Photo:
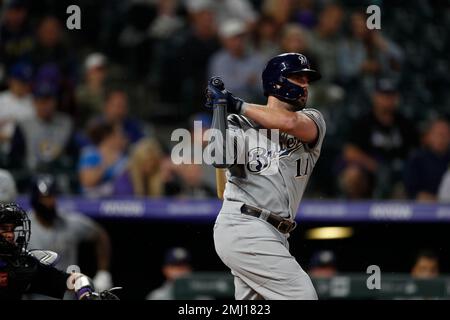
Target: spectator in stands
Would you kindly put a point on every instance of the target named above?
(326, 39)
(323, 264)
(294, 39)
(167, 21)
(15, 103)
(426, 265)
(191, 180)
(135, 40)
(50, 49)
(304, 14)
(104, 161)
(8, 188)
(444, 187)
(426, 166)
(367, 53)
(44, 143)
(356, 182)
(177, 263)
(239, 69)
(188, 182)
(186, 55)
(143, 174)
(266, 38)
(279, 10)
(15, 33)
(377, 145)
(116, 113)
(227, 10)
(208, 172)
(285, 11)
(90, 95)
(64, 232)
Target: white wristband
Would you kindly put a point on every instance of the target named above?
(244, 107)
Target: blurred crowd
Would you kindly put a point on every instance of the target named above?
(95, 107)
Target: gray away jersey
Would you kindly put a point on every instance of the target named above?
(274, 178)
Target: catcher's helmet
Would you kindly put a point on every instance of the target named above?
(11, 213)
(274, 76)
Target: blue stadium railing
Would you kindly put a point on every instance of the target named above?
(206, 210)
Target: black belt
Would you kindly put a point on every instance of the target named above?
(281, 224)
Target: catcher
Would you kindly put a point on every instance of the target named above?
(23, 271)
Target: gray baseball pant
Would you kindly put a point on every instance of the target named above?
(259, 258)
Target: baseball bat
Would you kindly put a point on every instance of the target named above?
(221, 180)
(220, 112)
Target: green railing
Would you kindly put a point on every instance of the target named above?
(217, 285)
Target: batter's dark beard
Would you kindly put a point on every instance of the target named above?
(293, 106)
(297, 105)
(302, 104)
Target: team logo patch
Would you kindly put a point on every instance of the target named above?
(302, 59)
(262, 161)
(258, 159)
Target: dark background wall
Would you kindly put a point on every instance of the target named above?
(139, 246)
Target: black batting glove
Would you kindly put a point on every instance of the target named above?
(234, 104)
(215, 93)
(217, 96)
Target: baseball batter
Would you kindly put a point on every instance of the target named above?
(263, 192)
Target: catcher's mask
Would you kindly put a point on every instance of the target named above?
(276, 73)
(13, 219)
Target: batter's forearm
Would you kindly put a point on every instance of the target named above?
(296, 124)
(90, 177)
(354, 154)
(270, 118)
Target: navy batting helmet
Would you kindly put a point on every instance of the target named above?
(274, 76)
